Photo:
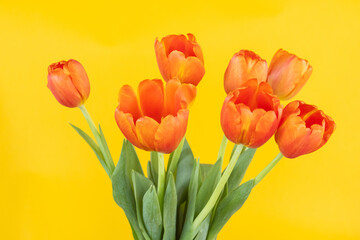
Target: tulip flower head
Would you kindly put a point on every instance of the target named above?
(288, 74)
(69, 83)
(244, 65)
(251, 114)
(303, 129)
(180, 57)
(157, 120)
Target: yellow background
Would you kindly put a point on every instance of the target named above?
(53, 187)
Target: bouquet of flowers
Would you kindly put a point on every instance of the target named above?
(189, 200)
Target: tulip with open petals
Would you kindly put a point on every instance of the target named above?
(251, 114)
(69, 83)
(288, 74)
(303, 129)
(244, 65)
(157, 120)
(180, 57)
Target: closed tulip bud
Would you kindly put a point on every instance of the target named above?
(69, 83)
(244, 65)
(251, 114)
(157, 119)
(303, 129)
(180, 57)
(288, 74)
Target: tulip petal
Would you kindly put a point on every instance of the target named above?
(192, 71)
(79, 78)
(63, 89)
(151, 94)
(125, 122)
(146, 128)
(171, 131)
(128, 102)
(266, 125)
(162, 59)
(176, 62)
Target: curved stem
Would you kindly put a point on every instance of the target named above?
(218, 189)
(161, 178)
(267, 169)
(97, 136)
(222, 148)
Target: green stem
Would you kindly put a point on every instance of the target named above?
(218, 189)
(267, 169)
(222, 148)
(161, 179)
(97, 136)
(176, 156)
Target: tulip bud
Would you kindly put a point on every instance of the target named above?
(157, 120)
(303, 129)
(250, 114)
(287, 74)
(244, 65)
(69, 83)
(180, 58)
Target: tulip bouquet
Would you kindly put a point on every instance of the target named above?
(189, 200)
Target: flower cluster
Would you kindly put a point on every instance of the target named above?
(252, 113)
(188, 200)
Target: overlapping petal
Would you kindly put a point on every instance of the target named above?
(250, 114)
(69, 83)
(243, 66)
(288, 74)
(160, 122)
(303, 129)
(180, 57)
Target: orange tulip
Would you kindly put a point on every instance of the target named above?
(244, 65)
(180, 58)
(303, 129)
(156, 121)
(288, 74)
(69, 83)
(250, 115)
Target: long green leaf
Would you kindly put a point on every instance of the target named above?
(204, 228)
(122, 191)
(170, 208)
(110, 160)
(183, 173)
(140, 186)
(228, 206)
(240, 168)
(191, 203)
(152, 214)
(93, 146)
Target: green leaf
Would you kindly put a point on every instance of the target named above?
(191, 202)
(204, 170)
(208, 186)
(93, 146)
(181, 213)
(132, 161)
(102, 138)
(228, 206)
(240, 168)
(140, 185)
(152, 214)
(204, 228)
(183, 173)
(170, 208)
(122, 192)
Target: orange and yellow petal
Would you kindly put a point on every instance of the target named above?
(151, 96)
(128, 102)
